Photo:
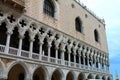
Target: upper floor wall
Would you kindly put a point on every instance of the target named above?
(64, 19)
(66, 11)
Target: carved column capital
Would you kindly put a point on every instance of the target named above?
(62, 46)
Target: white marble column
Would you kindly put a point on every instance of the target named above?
(69, 58)
(20, 45)
(56, 54)
(31, 48)
(62, 56)
(62, 48)
(49, 46)
(40, 50)
(94, 62)
(79, 59)
(83, 60)
(7, 43)
(74, 58)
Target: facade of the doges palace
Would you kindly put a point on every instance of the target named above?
(51, 40)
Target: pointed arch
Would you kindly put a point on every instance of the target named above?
(53, 50)
(104, 78)
(97, 77)
(40, 73)
(81, 76)
(57, 74)
(49, 8)
(90, 76)
(70, 75)
(109, 78)
(14, 40)
(78, 24)
(36, 45)
(3, 35)
(26, 42)
(45, 47)
(96, 36)
(19, 69)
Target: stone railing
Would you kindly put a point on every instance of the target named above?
(35, 56)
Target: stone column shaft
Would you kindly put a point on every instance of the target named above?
(31, 49)
(56, 54)
(69, 58)
(20, 47)
(62, 57)
(7, 44)
(49, 46)
(80, 60)
(40, 50)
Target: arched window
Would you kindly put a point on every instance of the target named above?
(36, 45)
(14, 40)
(78, 24)
(49, 8)
(45, 47)
(96, 35)
(3, 34)
(26, 42)
(53, 51)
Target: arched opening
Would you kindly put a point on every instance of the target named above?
(81, 76)
(81, 57)
(103, 78)
(108, 78)
(77, 58)
(70, 76)
(94, 60)
(66, 54)
(53, 50)
(17, 72)
(71, 57)
(97, 77)
(96, 35)
(78, 24)
(56, 75)
(39, 74)
(90, 60)
(86, 60)
(14, 40)
(3, 34)
(49, 8)
(26, 42)
(36, 45)
(45, 47)
(59, 52)
(90, 76)
(97, 66)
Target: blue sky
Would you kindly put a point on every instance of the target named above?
(110, 11)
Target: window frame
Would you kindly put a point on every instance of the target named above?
(96, 36)
(49, 8)
(78, 25)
